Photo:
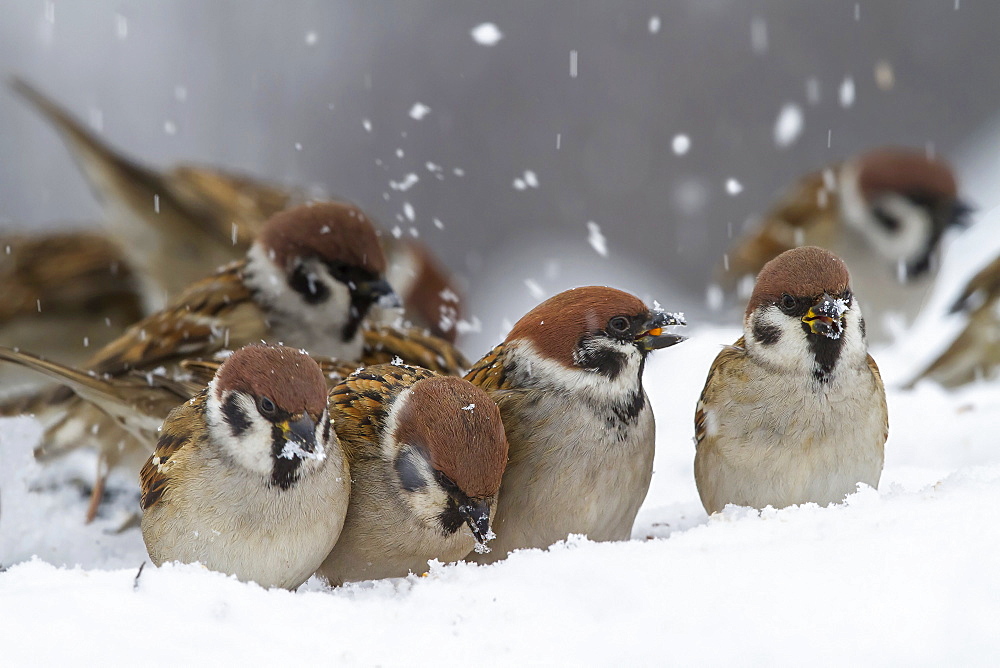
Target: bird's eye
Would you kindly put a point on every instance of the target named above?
(788, 303)
(619, 324)
(266, 406)
(338, 270)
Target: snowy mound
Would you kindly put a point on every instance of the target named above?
(901, 575)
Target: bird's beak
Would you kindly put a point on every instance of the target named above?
(300, 431)
(378, 292)
(959, 214)
(477, 515)
(652, 336)
(826, 317)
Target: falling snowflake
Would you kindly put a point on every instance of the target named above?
(486, 34)
(597, 240)
(788, 127)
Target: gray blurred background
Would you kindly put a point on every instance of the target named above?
(525, 149)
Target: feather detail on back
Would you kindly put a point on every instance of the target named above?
(359, 405)
(177, 434)
(184, 329)
(489, 373)
(383, 343)
(719, 366)
(76, 271)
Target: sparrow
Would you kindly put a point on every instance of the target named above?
(178, 225)
(426, 454)
(884, 212)
(248, 477)
(568, 382)
(308, 281)
(793, 412)
(431, 299)
(120, 413)
(61, 282)
(974, 354)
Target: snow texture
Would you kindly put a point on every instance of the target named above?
(904, 575)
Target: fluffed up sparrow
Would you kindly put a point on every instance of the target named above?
(568, 382)
(794, 411)
(884, 212)
(178, 225)
(426, 454)
(249, 478)
(974, 354)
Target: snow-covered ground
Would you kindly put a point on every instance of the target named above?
(903, 575)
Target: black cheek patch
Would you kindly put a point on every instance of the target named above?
(234, 416)
(409, 473)
(602, 360)
(766, 334)
(311, 288)
(864, 328)
(451, 520)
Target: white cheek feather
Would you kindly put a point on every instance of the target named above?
(314, 327)
(542, 371)
(428, 501)
(855, 349)
(252, 449)
(902, 245)
(792, 351)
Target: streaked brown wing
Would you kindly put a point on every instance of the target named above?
(877, 375)
(725, 357)
(383, 344)
(489, 374)
(179, 432)
(225, 199)
(212, 314)
(73, 271)
(809, 203)
(360, 403)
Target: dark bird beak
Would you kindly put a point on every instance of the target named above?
(379, 292)
(477, 515)
(954, 214)
(959, 214)
(826, 317)
(301, 430)
(652, 336)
